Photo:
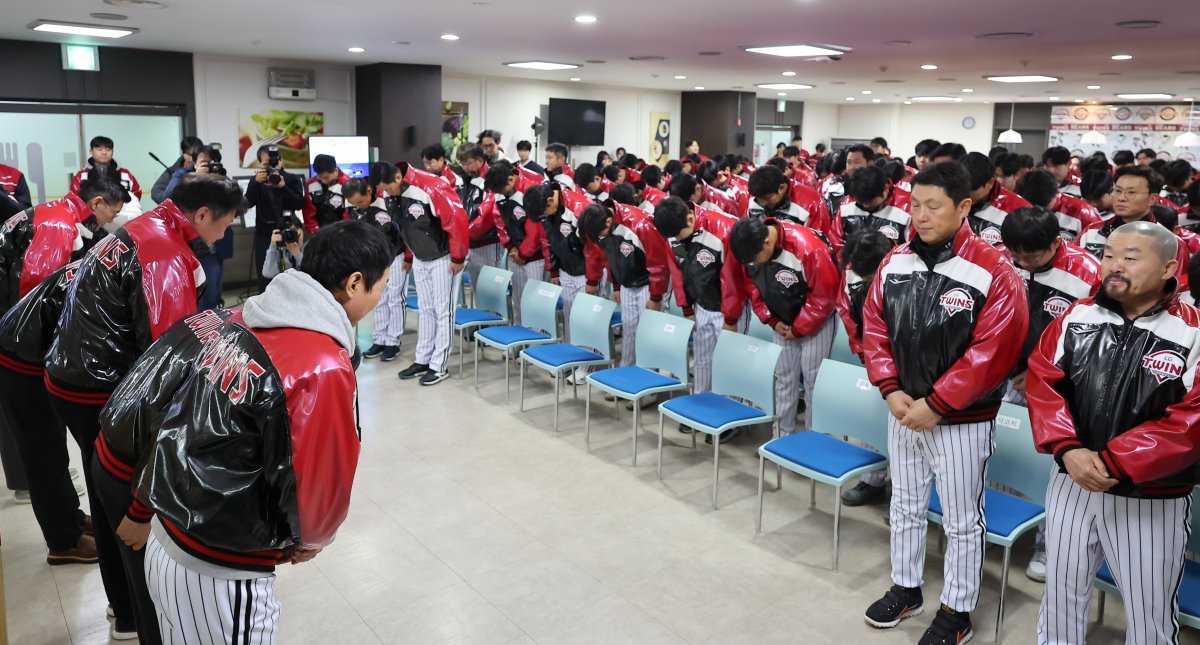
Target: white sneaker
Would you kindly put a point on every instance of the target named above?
(578, 377)
(21, 497)
(80, 490)
(73, 473)
(1037, 566)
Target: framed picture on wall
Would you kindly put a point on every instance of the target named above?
(288, 129)
(660, 138)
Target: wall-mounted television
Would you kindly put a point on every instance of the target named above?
(576, 123)
(353, 154)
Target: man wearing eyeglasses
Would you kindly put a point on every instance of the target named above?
(1134, 192)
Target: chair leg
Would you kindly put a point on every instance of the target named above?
(942, 540)
(557, 389)
(574, 386)
(716, 466)
(778, 477)
(762, 470)
(637, 413)
(521, 377)
(461, 335)
(693, 438)
(1100, 607)
(812, 492)
(1003, 591)
(507, 389)
(661, 421)
(837, 524)
(587, 416)
(476, 364)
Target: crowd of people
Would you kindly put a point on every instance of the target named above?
(962, 279)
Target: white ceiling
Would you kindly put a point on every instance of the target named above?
(1073, 39)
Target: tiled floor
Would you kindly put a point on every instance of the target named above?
(474, 523)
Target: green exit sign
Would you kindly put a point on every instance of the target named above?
(81, 58)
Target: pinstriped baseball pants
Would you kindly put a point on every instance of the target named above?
(389, 313)
(572, 285)
(704, 343)
(633, 301)
(801, 356)
(437, 295)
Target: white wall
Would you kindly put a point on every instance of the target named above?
(509, 105)
(820, 123)
(226, 86)
(902, 125)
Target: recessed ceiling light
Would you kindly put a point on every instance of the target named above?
(585, 19)
(1122, 57)
(908, 102)
(1138, 24)
(958, 99)
(576, 79)
(1053, 98)
(1079, 100)
(680, 77)
(987, 102)
(356, 50)
(1186, 99)
(784, 86)
(789, 73)
(934, 99)
(80, 29)
(781, 94)
(929, 67)
(792, 51)
(1093, 87)
(849, 98)
(108, 16)
(1005, 35)
(967, 90)
(542, 65)
(1026, 78)
(449, 37)
(401, 42)
(698, 87)
(866, 91)
(1146, 96)
(877, 100)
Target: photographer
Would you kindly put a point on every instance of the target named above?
(273, 192)
(285, 251)
(208, 162)
(189, 148)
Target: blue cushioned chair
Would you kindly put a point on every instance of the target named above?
(841, 346)
(1017, 465)
(662, 344)
(592, 345)
(844, 403)
(744, 368)
(491, 306)
(538, 312)
(1189, 587)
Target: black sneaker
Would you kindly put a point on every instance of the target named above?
(726, 437)
(433, 378)
(390, 353)
(123, 631)
(413, 371)
(949, 628)
(895, 605)
(863, 493)
(374, 351)
(686, 429)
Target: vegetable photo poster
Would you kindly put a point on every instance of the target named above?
(456, 126)
(288, 129)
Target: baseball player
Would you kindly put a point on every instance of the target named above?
(434, 227)
(791, 281)
(231, 446)
(556, 165)
(1075, 215)
(990, 202)
(323, 200)
(369, 203)
(942, 329)
(521, 231)
(776, 197)
(565, 260)
(1112, 395)
(479, 202)
(872, 201)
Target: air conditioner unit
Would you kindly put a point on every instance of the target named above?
(291, 84)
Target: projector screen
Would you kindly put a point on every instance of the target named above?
(353, 154)
(576, 123)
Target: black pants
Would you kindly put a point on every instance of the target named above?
(261, 242)
(41, 442)
(115, 497)
(10, 460)
(214, 281)
(83, 420)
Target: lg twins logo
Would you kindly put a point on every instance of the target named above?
(566, 229)
(519, 213)
(956, 300)
(991, 235)
(786, 278)
(705, 258)
(335, 200)
(416, 210)
(626, 249)
(890, 232)
(1056, 306)
(1164, 365)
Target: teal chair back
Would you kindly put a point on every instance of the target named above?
(590, 323)
(1016, 463)
(491, 294)
(759, 329)
(744, 367)
(539, 307)
(662, 343)
(845, 403)
(841, 346)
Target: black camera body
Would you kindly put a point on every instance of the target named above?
(288, 230)
(215, 166)
(273, 176)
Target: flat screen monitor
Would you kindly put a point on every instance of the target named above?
(353, 154)
(576, 123)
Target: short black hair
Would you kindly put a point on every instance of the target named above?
(925, 147)
(611, 172)
(1123, 157)
(535, 198)
(1193, 272)
(585, 173)
(1149, 152)
(894, 169)
(593, 220)
(864, 250)
(1165, 215)
(862, 149)
(670, 216)
(766, 180)
(190, 145)
(791, 151)
(324, 163)
(1012, 163)
(559, 149)
(651, 175)
(820, 147)
(1158, 165)
(102, 186)
(707, 172)
(1056, 155)
(1095, 184)
(524, 144)
(624, 194)
(494, 135)
(382, 172)
(673, 167)
(497, 176)
(797, 138)
(1177, 173)
(1029, 229)
(746, 239)
(979, 167)
(601, 156)
(629, 159)
(683, 186)
(778, 162)
(433, 151)
(880, 141)
(1038, 187)
(101, 142)
(955, 151)
(471, 151)
(356, 186)
(950, 176)
(867, 183)
(996, 152)
(219, 193)
(339, 250)
(1095, 162)
(1153, 180)
(1193, 194)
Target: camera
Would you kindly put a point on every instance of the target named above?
(287, 229)
(273, 176)
(215, 166)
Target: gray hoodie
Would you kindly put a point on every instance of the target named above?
(294, 299)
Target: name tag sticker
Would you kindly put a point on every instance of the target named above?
(546, 293)
(753, 349)
(669, 328)
(863, 384)
(1007, 421)
(596, 307)
(499, 278)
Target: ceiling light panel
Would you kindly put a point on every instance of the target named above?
(542, 65)
(803, 51)
(784, 86)
(1027, 78)
(81, 29)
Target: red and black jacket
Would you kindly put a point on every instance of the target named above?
(431, 218)
(852, 295)
(796, 287)
(812, 212)
(564, 245)
(121, 175)
(479, 204)
(29, 327)
(1072, 274)
(986, 217)
(698, 280)
(634, 252)
(35, 242)
(378, 216)
(893, 219)
(131, 287)
(520, 230)
(1075, 216)
(946, 323)
(1123, 388)
(243, 441)
(324, 204)
(13, 182)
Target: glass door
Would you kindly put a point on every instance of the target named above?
(134, 138)
(43, 146)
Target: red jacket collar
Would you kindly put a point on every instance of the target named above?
(78, 207)
(175, 220)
